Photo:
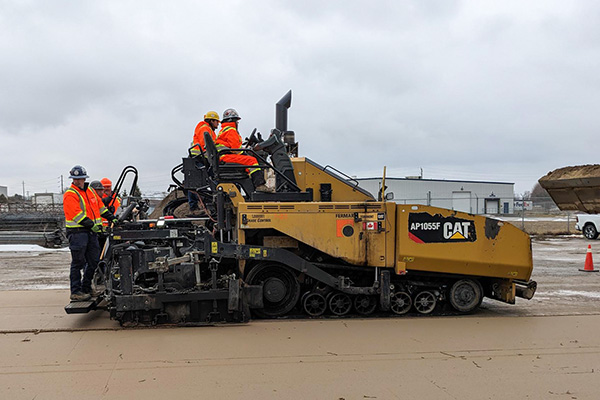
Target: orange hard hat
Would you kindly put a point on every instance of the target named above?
(106, 182)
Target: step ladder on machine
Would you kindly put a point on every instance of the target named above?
(82, 307)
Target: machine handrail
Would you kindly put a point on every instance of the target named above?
(343, 175)
(117, 188)
(176, 169)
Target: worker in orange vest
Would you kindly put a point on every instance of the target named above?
(111, 203)
(210, 124)
(102, 236)
(83, 210)
(229, 138)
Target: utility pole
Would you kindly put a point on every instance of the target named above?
(23, 190)
(62, 189)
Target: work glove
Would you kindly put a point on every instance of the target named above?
(115, 221)
(97, 228)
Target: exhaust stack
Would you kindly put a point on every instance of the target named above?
(281, 122)
(281, 116)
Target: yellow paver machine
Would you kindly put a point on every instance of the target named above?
(318, 244)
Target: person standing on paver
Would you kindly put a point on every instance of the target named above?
(83, 210)
(111, 202)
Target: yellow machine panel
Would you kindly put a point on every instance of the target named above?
(310, 175)
(358, 233)
(438, 240)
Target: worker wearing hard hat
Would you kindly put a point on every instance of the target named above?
(83, 210)
(229, 138)
(210, 124)
(98, 188)
(111, 202)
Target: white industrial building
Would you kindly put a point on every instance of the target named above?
(4, 191)
(47, 199)
(473, 197)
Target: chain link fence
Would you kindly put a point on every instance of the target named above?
(540, 216)
(30, 208)
(535, 215)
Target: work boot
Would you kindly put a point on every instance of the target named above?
(195, 213)
(94, 293)
(79, 296)
(258, 179)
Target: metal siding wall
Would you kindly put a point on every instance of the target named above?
(414, 191)
(371, 185)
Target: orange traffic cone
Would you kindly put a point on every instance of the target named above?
(589, 262)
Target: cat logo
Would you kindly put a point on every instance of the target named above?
(427, 228)
(457, 230)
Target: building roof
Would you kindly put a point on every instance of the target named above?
(434, 180)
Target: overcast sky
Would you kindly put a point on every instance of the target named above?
(475, 90)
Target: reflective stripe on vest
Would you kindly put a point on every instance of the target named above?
(195, 151)
(227, 128)
(116, 203)
(75, 222)
(103, 209)
(220, 146)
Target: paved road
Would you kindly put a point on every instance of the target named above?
(547, 348)
(472, 357)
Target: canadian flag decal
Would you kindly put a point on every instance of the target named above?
(371, 226)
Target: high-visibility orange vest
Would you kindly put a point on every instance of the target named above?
(202, 127)
(78, 204)
(116, 204)
(228, 137)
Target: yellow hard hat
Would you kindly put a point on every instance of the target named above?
(212, 115)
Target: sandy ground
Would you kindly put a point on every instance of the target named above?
(546, 348)
(402, 358)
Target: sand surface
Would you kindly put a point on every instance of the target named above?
(546, 348)
(472, 357)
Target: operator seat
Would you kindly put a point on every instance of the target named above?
(236, 173)
(226, 172)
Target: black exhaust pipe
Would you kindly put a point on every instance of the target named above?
(281, 115)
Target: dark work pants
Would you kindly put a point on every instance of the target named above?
(85, 254)
(192, 200)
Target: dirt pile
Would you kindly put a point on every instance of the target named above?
(174, 204)
(574, 188)
(573, 172)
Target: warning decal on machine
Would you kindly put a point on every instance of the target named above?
(427, 228)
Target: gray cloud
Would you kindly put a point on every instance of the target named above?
(465, 89)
